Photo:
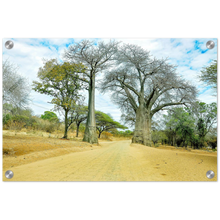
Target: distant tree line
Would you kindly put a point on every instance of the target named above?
(16, 118)
(195, 126)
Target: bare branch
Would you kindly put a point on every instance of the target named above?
(165, 105)
(123, 84)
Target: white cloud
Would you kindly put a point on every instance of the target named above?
(202, 60)
(207, 97)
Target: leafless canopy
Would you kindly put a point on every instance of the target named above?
(140, 80)
(15, 87)
(95, 57)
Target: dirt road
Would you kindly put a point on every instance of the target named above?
(120, 161)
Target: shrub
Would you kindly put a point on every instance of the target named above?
(6, 118)
(179, 142)
(45, 125)
(82, 127)
(126, 133)
(106, 135)
(49, 128)
(212, 143)
(155, 137)
(20, 118)
(15, 125)
(157, 145)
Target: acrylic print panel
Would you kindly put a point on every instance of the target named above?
(109, 109)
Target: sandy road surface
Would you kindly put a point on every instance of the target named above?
(120, 161)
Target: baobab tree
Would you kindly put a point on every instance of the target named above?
(97, 58)
(147, 86)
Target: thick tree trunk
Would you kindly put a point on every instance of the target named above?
(90, 131)
(66, 124)
(142, 132)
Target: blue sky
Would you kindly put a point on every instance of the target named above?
(190, 55)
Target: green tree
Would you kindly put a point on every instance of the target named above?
(51, 116)
(205, 117)
(185, 128)
(155, 137)
(201, 131)
(192, 124)
(182, 124)
(209, 75)
(61, 82)
(105, 122)
(171, 121)
(80, 113)
(211, 138)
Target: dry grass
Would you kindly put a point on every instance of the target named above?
(26, 146)
(21, 144)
